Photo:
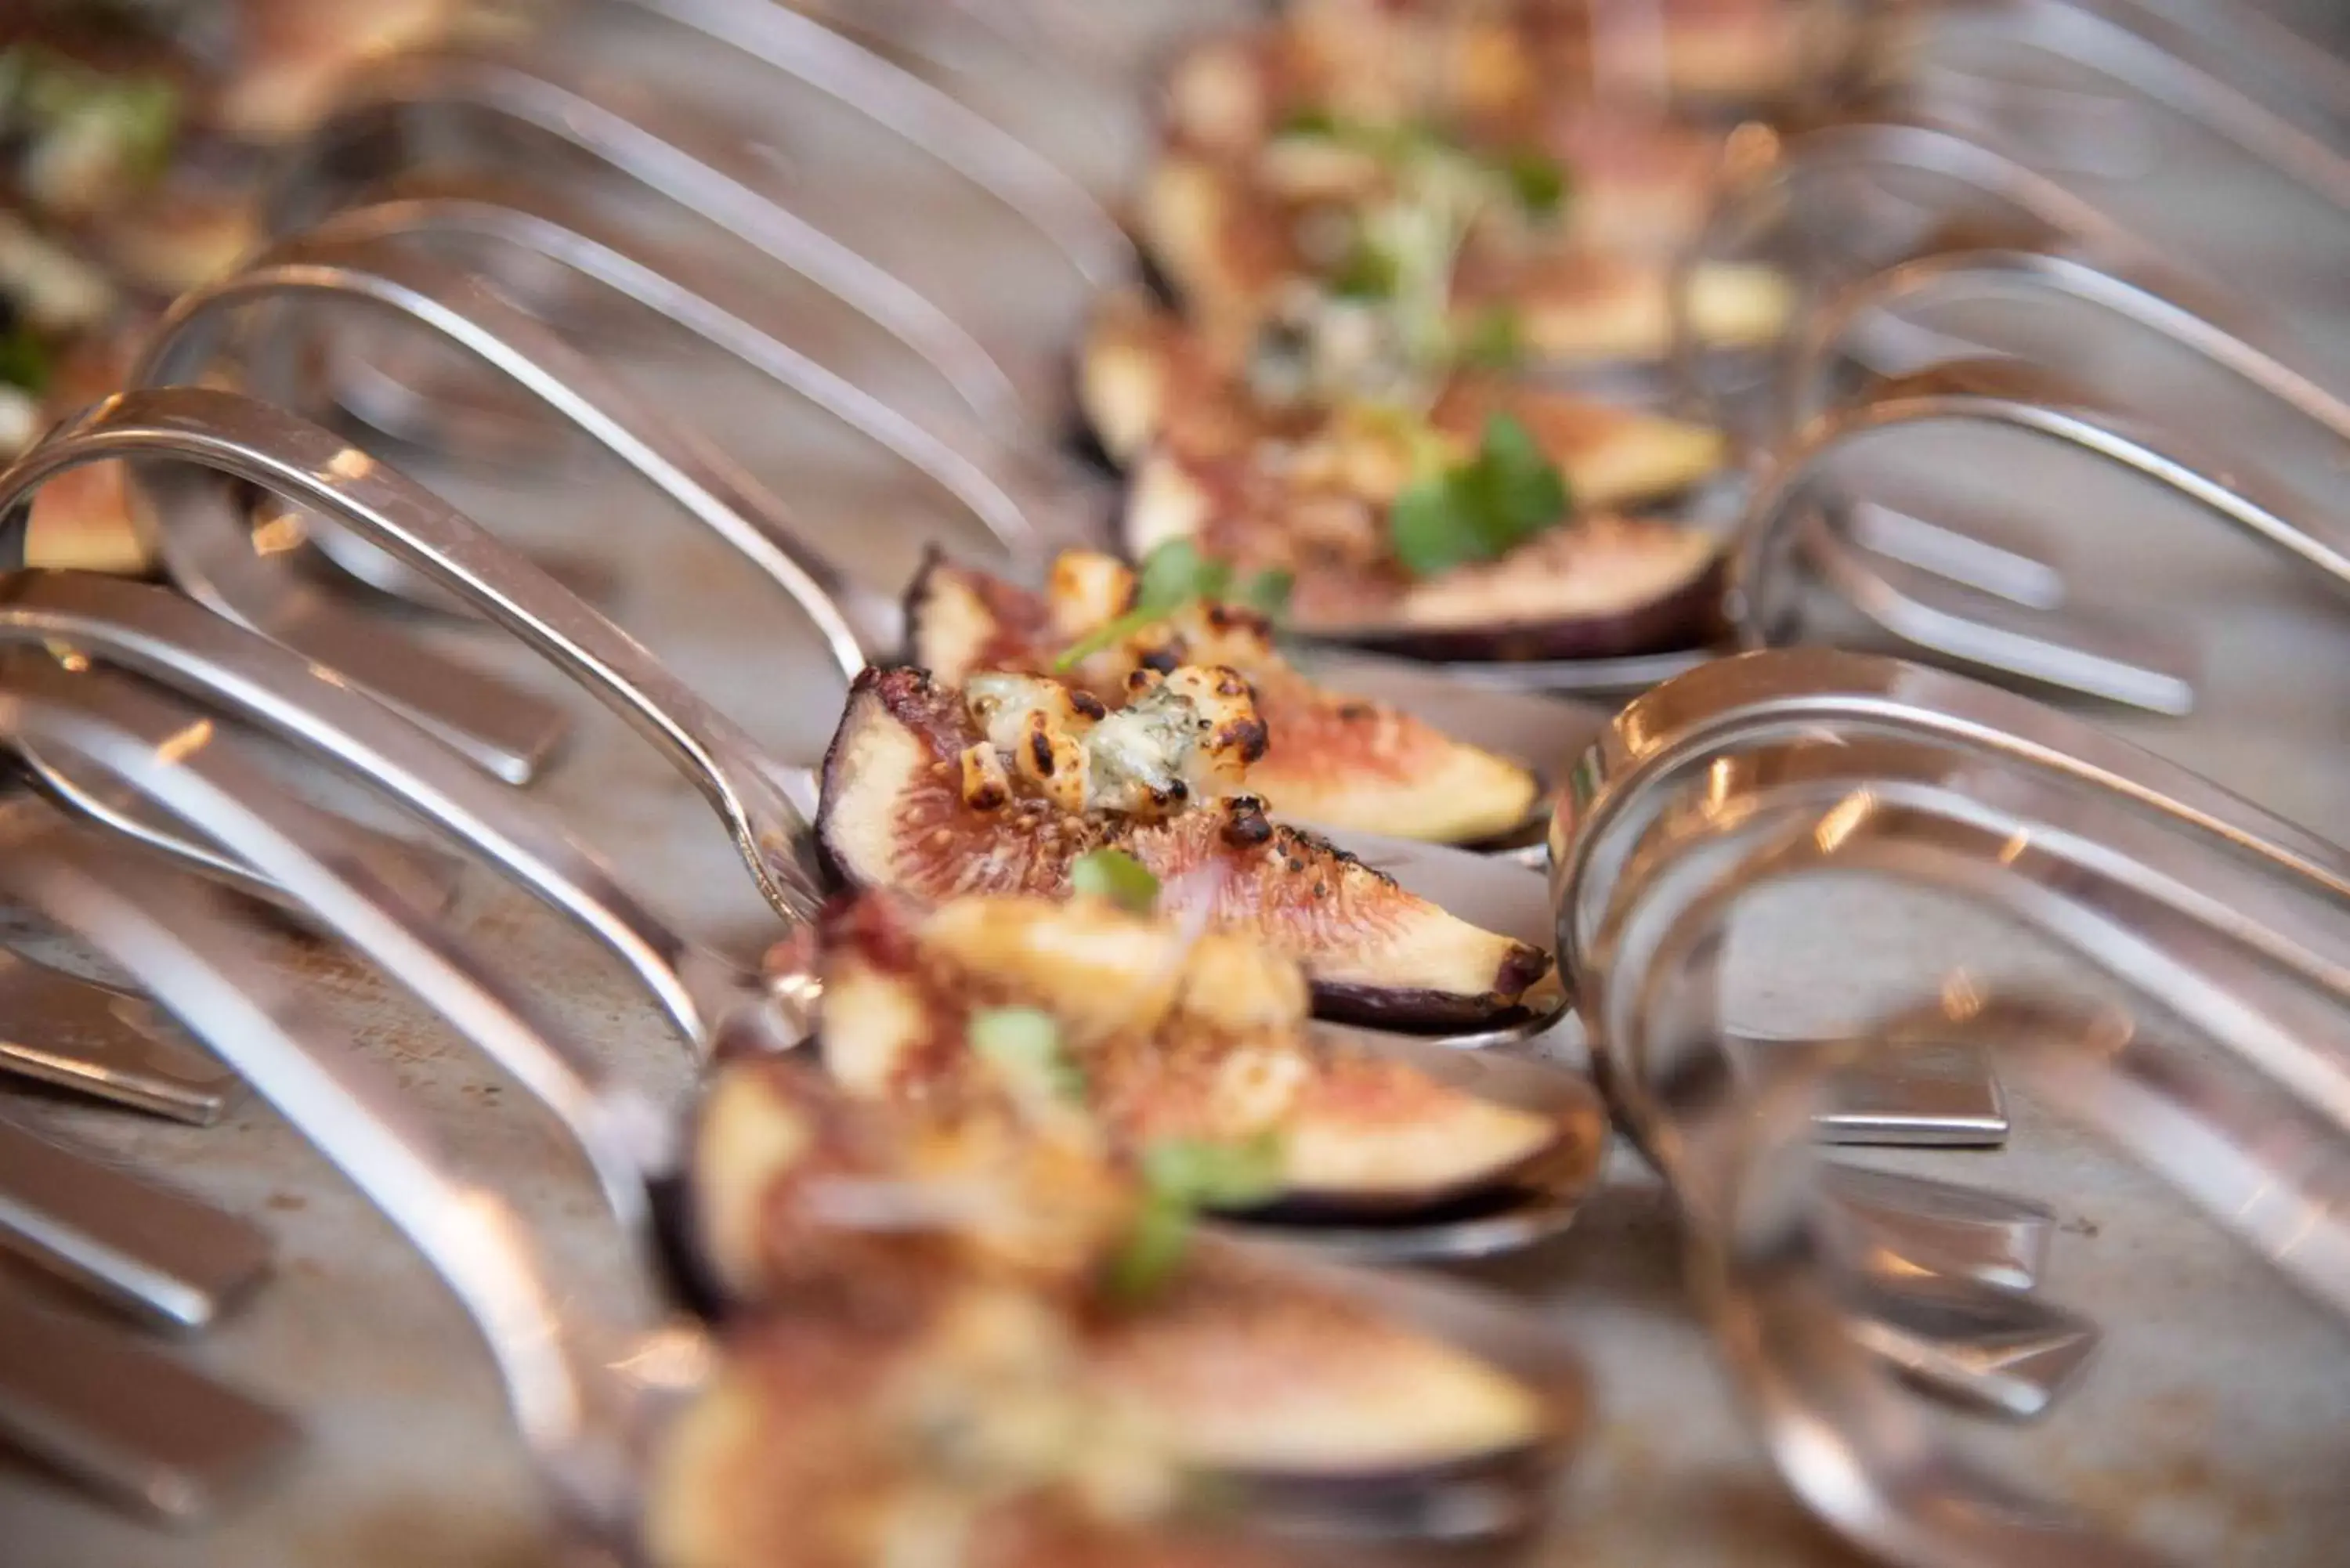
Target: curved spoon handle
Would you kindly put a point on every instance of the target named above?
(209, 436)
(446, 301)
(1664, 738)
(168, 752)
(990, 157)
(2257, 1169)
(194, 955)
(954, 463)
(2003, 393)
(364, 140)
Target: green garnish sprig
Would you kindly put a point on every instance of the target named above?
(1024, 1045)
(1182, 1178)
(1118, 877)
(1172, 577)
(1406, 244)
(1456, 514)
(25, 362)
(1536, 182)
(47, 93)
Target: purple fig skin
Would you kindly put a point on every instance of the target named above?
(1690, 616)
(849, 853)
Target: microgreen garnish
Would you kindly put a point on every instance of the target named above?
(1309, 121)
(1479, 510)
(1495, 339)
(1172, 575)
(1115, 875)
(1397, 266)
(1536, 180)
(1024, 1045)
(48, 94)
(24, 362)
(1369, 272)
(1181, 1177)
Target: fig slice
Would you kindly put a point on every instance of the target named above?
(1490, 69)
(1227, 250)
(1144, 374)
(1242, 1363)
(1169, 1038)
(1332, 759)
(816, 1444)
(1601, 586)
(893, 813)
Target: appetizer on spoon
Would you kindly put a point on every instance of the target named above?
(811, 1201)
(1156, 1034)
(1006, 784)
(1404, 535)
(1330, 758)
(1564, 233)
(883, 1217)
(1499, 66)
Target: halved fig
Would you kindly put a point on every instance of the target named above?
(1167, 1036)
(1268, 1378)
(1230, 250)
(910, 803)
(1330, 759)
(832, 1441)
(1598, 587)
(1238, 1365)
(1146, 374)
(1494, 69)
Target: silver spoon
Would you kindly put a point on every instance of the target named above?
(1434, 1308)
(764, 802)
(2263, 1167)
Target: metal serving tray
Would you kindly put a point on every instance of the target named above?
(2212, 1425)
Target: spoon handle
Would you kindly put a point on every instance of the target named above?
(177, 1263)
(129, 1420)
(214, 435)
(169, 753)
(197, 956)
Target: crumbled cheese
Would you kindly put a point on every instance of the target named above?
(1085, 589)
(1189, 735)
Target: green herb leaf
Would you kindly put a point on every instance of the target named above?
(1428, 530)
(1369, 272)
(1268, 591)
(1115, 875)
(1494, 340)
(1153, 1251)
(1180, 1177)
(1025, 1044)
(1216, 1175)
(1174, 574)
(1480, 510)
(145, 119)
(47, 92)
(23, 360)
(1309, 121)
(1537, 182)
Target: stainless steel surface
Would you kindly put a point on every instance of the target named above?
(423, 876)
(1946, 1099)
(145, 1248)
(78, 1035)
(2013, 1355)
(133, 1423)
(2249, 1131)
(587, 1392)
(2222, 1441)
(1989, 1237)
